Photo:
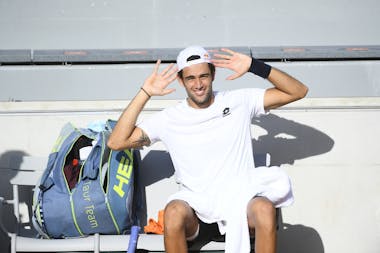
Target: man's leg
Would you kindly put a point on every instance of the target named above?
(262, 222)
(180, 222)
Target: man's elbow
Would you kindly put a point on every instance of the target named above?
(305, 91)
(302, 92)
(114, 145)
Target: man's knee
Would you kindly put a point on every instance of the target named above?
(177, 209)
(179, 215)
(261, 214)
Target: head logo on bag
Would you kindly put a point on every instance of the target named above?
(123, 174)
(86, 188)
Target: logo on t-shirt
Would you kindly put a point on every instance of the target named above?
(226, 111)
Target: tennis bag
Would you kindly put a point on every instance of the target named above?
(79, 196)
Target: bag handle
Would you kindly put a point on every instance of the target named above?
(91, 166)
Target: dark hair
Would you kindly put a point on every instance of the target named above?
(195, 57)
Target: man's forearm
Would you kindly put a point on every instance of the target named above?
(286, 88)
(287, 84)
(278, 78)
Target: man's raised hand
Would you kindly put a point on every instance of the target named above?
(156, 84)
(237, 62)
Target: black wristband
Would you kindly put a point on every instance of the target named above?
(259, 68)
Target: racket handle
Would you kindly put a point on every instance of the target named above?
(133, 239)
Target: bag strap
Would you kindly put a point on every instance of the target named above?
(46, 182)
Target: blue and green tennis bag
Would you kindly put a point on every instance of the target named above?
(86, 188)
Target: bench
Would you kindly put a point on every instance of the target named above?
(157, 183)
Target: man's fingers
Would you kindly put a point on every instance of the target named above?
(234, 76)
(167, 69)
(167, 91)
(171, 78)
(221, 63)
(227, 50)
(169, 74)
(225, 56)
(168, 78)
(222, 56)
(170, 71)
(157, 66)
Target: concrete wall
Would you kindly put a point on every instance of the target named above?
(328, 146)
(106, 24)
(120, 82)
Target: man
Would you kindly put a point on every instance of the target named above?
(209, 140)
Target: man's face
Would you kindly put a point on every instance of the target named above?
(197, 80)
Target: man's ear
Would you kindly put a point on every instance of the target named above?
(179, 79)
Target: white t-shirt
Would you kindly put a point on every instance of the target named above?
(211, 144)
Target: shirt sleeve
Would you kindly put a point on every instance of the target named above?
(153, 126)
(255, 100)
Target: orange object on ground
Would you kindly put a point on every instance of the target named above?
(155, 227)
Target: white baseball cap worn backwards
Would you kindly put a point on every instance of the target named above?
(182, 58)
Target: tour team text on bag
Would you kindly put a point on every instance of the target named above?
(86, 188)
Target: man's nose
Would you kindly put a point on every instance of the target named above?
(198, 82)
